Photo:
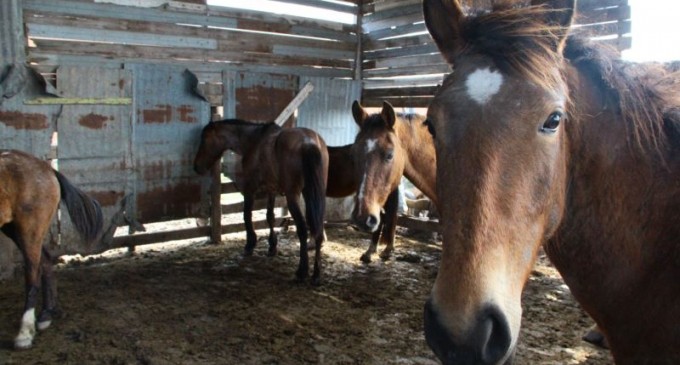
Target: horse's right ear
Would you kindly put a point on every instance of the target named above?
(443, 19)
(358, 113)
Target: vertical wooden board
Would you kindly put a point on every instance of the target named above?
(94, 143)
(328, 109)
(168, 118)
(257, 97)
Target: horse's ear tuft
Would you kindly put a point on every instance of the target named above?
(358, 113)
(444, 19)
(388, 114)
(560, 14)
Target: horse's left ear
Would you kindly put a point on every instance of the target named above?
(358, 113)
(444, 19)
(560, 14)
(388, 114)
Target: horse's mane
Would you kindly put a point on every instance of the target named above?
(262, 127)
(520, 43)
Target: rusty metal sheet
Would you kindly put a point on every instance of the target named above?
(167, 123)
(328, 109)
(257, 97)
(94, 148)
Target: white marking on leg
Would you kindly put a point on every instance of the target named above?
(483, 84)
(25, 337)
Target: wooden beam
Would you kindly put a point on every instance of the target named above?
(295, 103)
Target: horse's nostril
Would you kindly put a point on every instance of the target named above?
(493, 334)
(372, 221)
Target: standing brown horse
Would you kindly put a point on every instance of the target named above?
(30, 191)
(275, 160)
(544, 139)
(343, 181)
(388, 146)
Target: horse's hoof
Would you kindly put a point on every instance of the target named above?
(44, 325)
(385, 255)
(23, 343)
(596, 338)
(366, 258)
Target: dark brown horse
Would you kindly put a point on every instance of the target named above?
(275, 161)
(30, 191)
(544, 139)
(388, 146)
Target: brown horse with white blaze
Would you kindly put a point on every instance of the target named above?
(388, 146)
(30, 192)
(545, 139)
(275, 160)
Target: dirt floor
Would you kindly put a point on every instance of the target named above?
(206, 304)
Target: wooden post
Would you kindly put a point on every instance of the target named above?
(216, 194)
(358, 59)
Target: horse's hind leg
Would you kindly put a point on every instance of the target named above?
(251, 237)
(273, 241)
(31, 248)
(301, 227)
(49, 291)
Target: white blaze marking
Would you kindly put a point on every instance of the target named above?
(370, 145)
(483, 84)
(25, 337)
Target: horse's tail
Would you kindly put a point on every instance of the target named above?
(85, 212)
(314, 190)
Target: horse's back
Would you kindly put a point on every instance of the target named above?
(28, 184)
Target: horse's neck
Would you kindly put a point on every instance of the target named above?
(420, 165)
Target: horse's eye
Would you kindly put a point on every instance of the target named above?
(550, 125)
(389, 155)
(430, 127)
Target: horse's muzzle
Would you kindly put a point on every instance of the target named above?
(487, 343)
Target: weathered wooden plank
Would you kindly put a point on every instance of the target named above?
(394, 32)
(403, 51)
(234, 38)
(210, 70)
(406, 61)
(400, 92)
(621, 43)
(348, 7)
(258, 205)
(144, 52)
(420, 224)
(213, 17)
(604, 29)
(406, 102)
(79, 101)
(114, 36)
(394, 12)
(415, 81)
(603, 15)
(591, 4)
(414, 40)
(408, 71)
(379, 6)
(392, 22)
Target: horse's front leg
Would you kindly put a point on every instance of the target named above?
(273, 241)
(49, 290)
(251, 237)
(390, 226)
(373, 247)
(301, 227)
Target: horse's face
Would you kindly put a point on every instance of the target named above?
(379, 163)
(500, 182)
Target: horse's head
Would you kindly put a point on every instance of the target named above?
(497, 121)
(214, 141)
(379, 163)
